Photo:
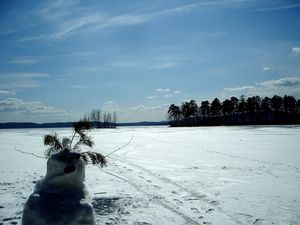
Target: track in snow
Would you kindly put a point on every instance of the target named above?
(192, 207)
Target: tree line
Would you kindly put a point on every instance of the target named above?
(101, 120)
(237, 111)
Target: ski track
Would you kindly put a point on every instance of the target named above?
(183, 206)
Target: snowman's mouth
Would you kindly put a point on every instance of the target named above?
(69, 169)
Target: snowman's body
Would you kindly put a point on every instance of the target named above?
(60, 198)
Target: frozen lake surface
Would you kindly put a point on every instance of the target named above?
(204, 175)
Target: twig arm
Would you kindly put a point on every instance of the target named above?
(119, 147)
(29, 153)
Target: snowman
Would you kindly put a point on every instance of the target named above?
(61, 198)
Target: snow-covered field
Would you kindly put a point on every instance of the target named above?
(205, 175)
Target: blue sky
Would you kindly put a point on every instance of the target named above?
(61, 59)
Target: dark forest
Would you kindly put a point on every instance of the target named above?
(237, 111)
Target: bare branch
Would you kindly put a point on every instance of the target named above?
(123, 146)
(29, 153)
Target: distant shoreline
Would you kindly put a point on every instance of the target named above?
(29, 125)
(20, 125)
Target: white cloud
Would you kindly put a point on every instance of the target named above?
(23, 61)
(18, 110)
(204, 5)
(21, 80)
(239, 89)
(296, 50)
(162, 90)
(2, 92)
(281, 86)
(147, 108)
(282, 82)
(69, 18)
(137, 112)
(142, 63)
(69, 27)
(111, 106)
(55, 10)
(22, 75)
(126, 64)
(125, 20)
(152, 97)
(265, 68)
(164, 66)
(281, 7)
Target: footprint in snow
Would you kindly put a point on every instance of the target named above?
(209, 210)
(193, 198)
(156, 187)
(141, 223)
(195, 210)
(214, 203)
(258, 222)
(178, 201)
(207, 223)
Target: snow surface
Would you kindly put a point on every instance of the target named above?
(204, 175)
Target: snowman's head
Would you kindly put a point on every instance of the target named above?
(65, 170)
